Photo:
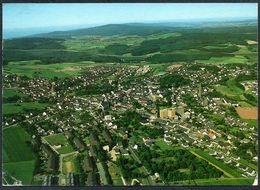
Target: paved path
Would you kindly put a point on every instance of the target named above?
(123, 179)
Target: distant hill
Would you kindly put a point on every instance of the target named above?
(109, 30)
(141, 29)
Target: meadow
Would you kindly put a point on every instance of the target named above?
(70, 164)
(59, 139)
(18, 157)
(16, 145)
(216, 181)
(14, 108)
(11, 93)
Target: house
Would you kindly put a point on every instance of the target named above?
(108, 118)
(93, 150)
(107, 135)
(80, 146)
(167, 140)
(92, 179)
(124, 152)
(212, 136)
(106, 148)
(144, 121)
(93, 138)
(69, 135)
(89, 164)
(117, 150)
(148, 142)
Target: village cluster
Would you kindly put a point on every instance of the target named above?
(85, 120)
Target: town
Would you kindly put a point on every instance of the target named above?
(126, 124)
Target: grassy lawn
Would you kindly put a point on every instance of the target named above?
(70, 164)
(13, 108)
(18, 158)
(11, 93)
(16, 145)
(59, 139)
(22, 171)
(245, 104)
(115, 174)
(218, 164)
(163, 145)
(102, 174)
(56, 139)
(49, 71)
(225, 60)
(251, 122)
(65, 149)
(231, 90)
(60, 70)
(216, 181)
(245, 162)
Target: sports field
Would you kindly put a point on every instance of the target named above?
(247, 113)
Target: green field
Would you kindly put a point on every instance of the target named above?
(70, 164)
(115, 173)
(18, 158)
(225, 60)
(16, 144)
(65, 149)
(102, 173)
(56, 139)
(163, 145)
(11, 93)
(59, 139)
(230, 89)
(216, 181)
(14, 108)
(22, 171)
(218, 164)
(60, 70)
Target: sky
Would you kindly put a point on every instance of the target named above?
(53, 16)
(49, 14)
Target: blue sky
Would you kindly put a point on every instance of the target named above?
(29, 15)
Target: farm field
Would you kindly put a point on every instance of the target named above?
(238, 59)
(16, 145)
(22, 170)
(230, 89)
(14, 108)
(18, 158)
(216, 181)
(7, 93)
